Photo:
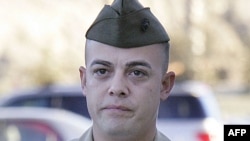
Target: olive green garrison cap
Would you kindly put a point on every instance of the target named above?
(127, 24)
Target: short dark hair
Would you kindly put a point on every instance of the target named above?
(166, 47)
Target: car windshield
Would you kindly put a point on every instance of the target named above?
(181, 107)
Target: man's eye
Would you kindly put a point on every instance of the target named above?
(100, 71)
(138, 73)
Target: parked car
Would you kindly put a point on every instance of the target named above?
(40, 124)
(190, 113)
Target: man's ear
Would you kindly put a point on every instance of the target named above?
(82, 71)
(167, 84)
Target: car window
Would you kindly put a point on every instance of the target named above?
(30, 101)
(76, 104)
(27, 131)
(181, 107)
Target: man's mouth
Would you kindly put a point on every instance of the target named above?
(116, 107)
(118, 111)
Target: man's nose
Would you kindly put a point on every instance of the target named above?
(118, 86)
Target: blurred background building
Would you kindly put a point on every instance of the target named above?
(42, 41)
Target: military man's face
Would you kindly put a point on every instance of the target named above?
(123, 87)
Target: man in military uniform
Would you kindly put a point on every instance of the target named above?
(126, 77)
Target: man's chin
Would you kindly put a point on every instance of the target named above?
(115, 128)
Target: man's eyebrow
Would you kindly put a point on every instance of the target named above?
(138, 63)
(101, 62)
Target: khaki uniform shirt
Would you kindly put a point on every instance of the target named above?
(87, 136)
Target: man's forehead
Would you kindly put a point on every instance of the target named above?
(99, 53)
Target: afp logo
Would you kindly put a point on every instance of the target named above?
(237, 132)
